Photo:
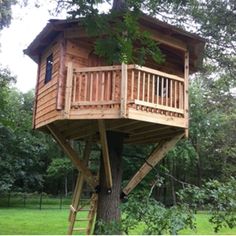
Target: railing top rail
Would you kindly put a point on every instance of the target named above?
(97, 68)
(156, 72)
(137, 67)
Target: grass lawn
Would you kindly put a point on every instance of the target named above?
(52, 221)
(33, 221)
(204, 227)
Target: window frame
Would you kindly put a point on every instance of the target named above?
(49, 69)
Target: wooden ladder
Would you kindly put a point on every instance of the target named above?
(79, 206)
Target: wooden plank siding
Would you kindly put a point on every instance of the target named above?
(47, 93)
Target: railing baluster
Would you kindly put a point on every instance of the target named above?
(113, 85)
(85, 86)
(74, 88)
(157, 86)
(148, 88)
(171, 93)
(138, 93)
(91, 87)
(108, 85)
(175, 94)
(167, 92)
(132, 85)
(103, 84)
(181, 95)
(144, 80)
(153, 87)
(80, 85)
(97, 85)
(162, 90)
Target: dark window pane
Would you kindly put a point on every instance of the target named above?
(49, 65)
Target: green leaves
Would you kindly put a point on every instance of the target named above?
(118, 35)
(157, 219)
(59, 168)
(218, 197)
(5, 12)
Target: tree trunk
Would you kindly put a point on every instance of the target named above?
(109, 203)
(119, 5)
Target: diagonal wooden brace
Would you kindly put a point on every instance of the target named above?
(159, 152)
(71, 153)
(105, 153)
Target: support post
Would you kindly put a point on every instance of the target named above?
(159, 152)
(123, 95)
(79, 164)
(105, 153)
(61, 76)
(186, 92)
(69, 82)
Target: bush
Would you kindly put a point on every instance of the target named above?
(219, 198)
(156, 217)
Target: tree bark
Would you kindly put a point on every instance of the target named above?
(109, 204)
(119, 5)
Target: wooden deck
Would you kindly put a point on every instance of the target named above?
(145, 104)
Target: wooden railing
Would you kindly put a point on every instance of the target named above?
(149, 88)
(123, 87)
(96, 86)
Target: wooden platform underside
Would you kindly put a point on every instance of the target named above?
(136, 132)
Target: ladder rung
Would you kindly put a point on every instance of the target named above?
(72, 209)
(85, 219)
(84, 210)
(79, 229)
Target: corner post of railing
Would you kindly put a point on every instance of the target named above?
(123, 94)
(68, 92)
(186, 91)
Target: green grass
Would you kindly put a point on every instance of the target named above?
(53, 221)
(204, 227)
(33, 221)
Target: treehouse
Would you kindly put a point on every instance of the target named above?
(79, 97)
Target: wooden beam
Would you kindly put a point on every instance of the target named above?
(36, 93)
(186, 93)
(160, 151)
(156, 118)
(71, 153)
(157, 106)
(123, 92)
(61, 74)
(105, 153)
(165, 39)
(69, 82)
(97, 68)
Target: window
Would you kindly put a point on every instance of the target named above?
(49, 65)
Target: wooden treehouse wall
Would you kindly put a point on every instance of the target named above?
(98, 87)
(46, 94)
